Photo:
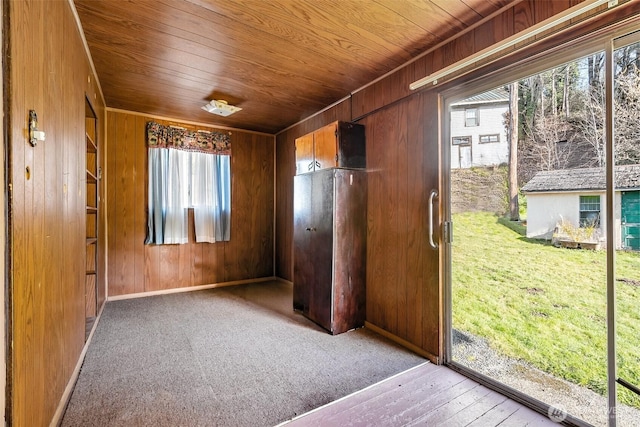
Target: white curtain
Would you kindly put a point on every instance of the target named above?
(157, 194)
(223, 197)
(179, 180)
(177, 203)
(203, 185)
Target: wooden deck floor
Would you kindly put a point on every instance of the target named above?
(428, 395)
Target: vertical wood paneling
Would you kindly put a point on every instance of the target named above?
(416, 213)
(285, 170)
(381, 239)
(19, 231)
(524, 15)
(210, 263)
(139, 208)
(152, 276)
(432, 310)
(241, 210)
(27, 361)
(111, 198)
(546, 9)
(364, 101)
(73, 200)
(123, 276)
(402, 223)
(48, 74)
(50, 214)
(399, 183)
(499, 28)
(135, 267)
(196, 256)
(385, 224)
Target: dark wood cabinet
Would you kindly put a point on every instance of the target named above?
(338, 144)
(330, 247)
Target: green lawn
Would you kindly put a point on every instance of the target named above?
(544, 304)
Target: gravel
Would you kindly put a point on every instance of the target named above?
(475, 353)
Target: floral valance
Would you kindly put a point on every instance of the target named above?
(159, 136)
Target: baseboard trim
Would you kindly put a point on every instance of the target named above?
(66, 395)
(419, 351)
(190, 288)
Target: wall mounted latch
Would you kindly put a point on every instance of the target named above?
(35, 135)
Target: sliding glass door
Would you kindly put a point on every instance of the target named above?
(543, 263)
(626, 226)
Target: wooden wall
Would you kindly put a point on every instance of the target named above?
(3, 237)
(404, 276)
(134, 267)
(49, 73)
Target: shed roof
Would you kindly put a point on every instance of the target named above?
(626, 177)
(494, 96)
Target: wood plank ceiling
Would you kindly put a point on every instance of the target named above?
(279, 60)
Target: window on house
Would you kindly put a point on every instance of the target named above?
(589, 211)
(484, 139)
(461, 140)
(471, 117)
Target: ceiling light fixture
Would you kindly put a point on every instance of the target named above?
(220, 107)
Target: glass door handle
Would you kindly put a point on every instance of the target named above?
(432, 196)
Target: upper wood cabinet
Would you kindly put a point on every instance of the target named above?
(338, 144)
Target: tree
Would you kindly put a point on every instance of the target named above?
(562, 114)
(627, 111)
(514, 208)
(590, 122)
(552, 144)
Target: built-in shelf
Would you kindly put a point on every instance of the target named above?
(91, 281)
(91, 178)
(91, 146)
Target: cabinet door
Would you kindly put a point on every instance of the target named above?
(304, 154)
(322, 201)
(350, 250)
(303, 276)
(325, 147)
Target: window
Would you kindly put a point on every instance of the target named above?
(187, 170)
(471, 117)
(461, 140)
(484, 139)
(589, 211)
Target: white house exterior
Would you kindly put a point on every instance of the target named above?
(570, 195)
(478, 134)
